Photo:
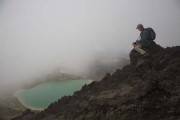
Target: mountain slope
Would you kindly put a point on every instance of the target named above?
(145, 90)
(10, 107)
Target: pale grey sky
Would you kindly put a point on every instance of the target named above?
(39, 35)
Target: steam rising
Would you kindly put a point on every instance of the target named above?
(37, 36)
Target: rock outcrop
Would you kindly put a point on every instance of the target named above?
(149, 90)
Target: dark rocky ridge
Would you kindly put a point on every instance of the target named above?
(145, 90)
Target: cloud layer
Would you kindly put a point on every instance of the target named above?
(37, 36)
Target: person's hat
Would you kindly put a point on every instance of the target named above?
(139, 26)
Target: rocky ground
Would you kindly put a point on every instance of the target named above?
(10, 107)
(146, 89)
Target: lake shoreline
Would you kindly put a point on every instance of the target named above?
(54, 81)
(17, 95)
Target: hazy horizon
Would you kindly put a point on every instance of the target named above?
(37, 36)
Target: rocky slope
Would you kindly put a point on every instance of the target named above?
(10, 107)
(147, 89)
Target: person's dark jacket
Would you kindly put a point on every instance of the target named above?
(144, 41)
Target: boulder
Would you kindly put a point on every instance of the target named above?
(136, 57)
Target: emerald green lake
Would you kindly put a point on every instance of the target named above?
(40, 97)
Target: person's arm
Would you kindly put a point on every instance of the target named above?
(144, 36)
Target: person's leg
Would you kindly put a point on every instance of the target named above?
(138, 49)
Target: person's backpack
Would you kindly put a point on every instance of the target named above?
(152, 33)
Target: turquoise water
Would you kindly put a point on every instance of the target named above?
(40, 97)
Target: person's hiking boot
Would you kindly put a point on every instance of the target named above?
(146, 55)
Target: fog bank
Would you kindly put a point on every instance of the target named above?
(38, 36)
